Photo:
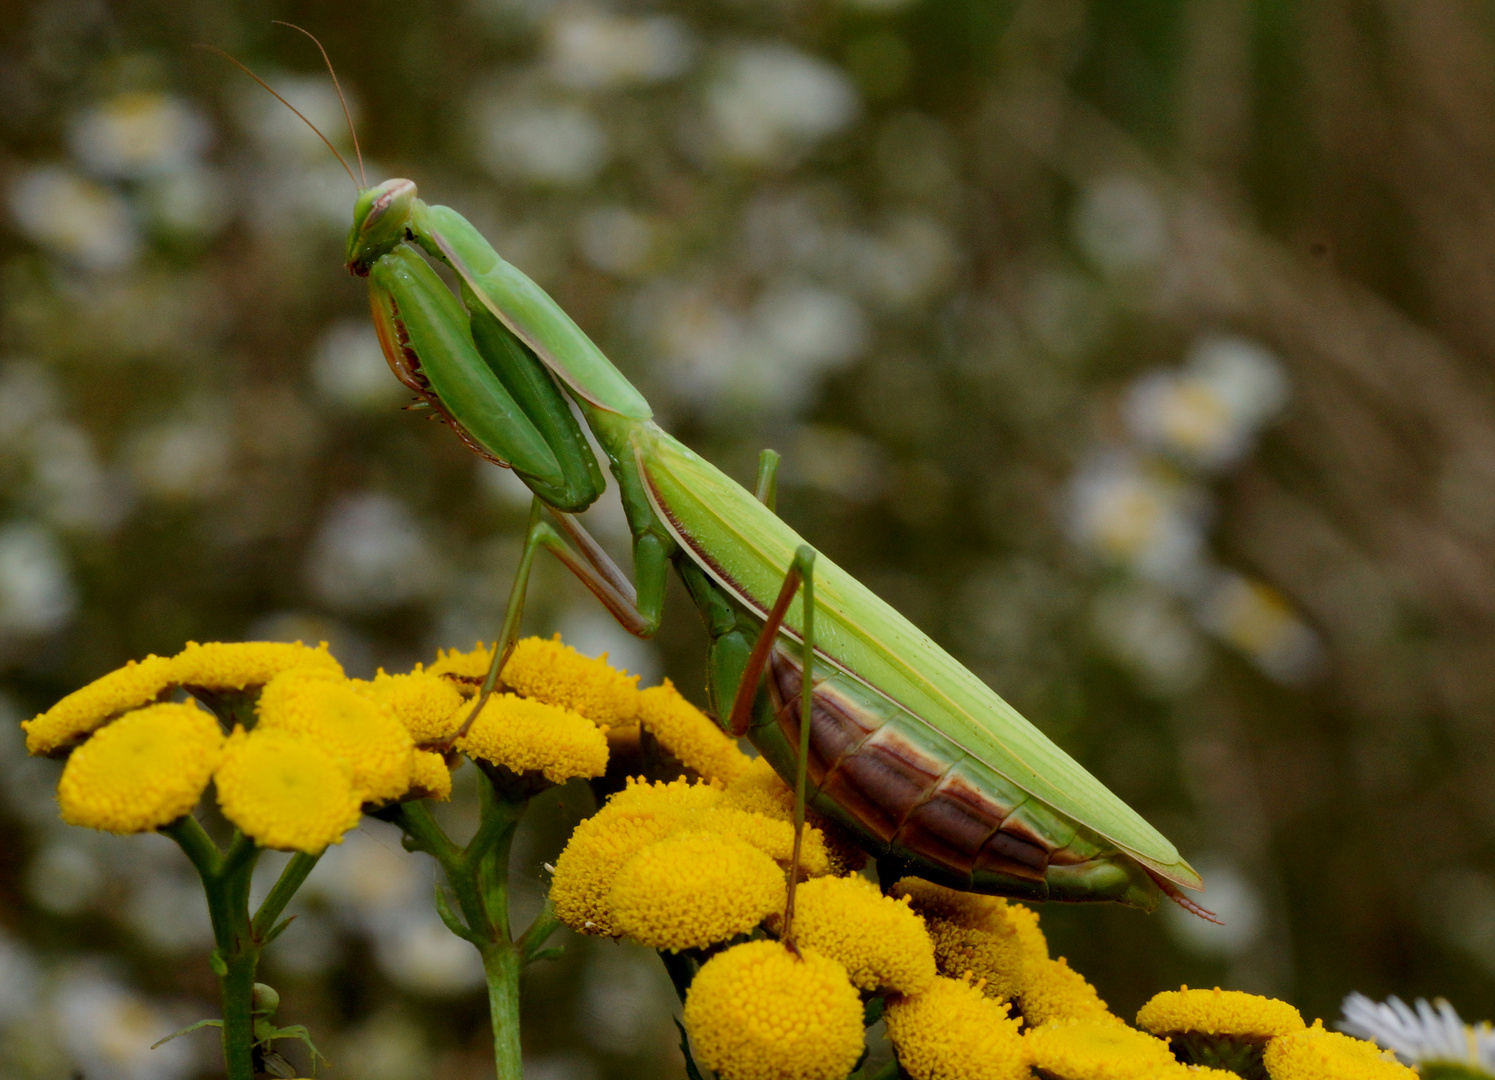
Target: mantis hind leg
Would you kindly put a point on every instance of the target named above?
(799, 577)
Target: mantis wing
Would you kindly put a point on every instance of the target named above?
(747, 548)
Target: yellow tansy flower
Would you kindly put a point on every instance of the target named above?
(952, 1031)
(758, 790)
(1051, 990)
(429, 777)
(758, 1012)
(879, 940)
(284, 791)
(428, 706)
(345, 723)
(146, 769)
(1024, 923)
(464, 670)
(771, 835)
(1218, 1012)
(240, 665)
(90, 707)
(1316, 1054)
(635, 817)
(695, 889)
(689, 734)
(531, 736)
(559, 675)
(970, 933)
(1086, 1050)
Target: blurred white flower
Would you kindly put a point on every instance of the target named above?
(771, 358)
(593, 632)
(1260, 622)
(417, 951)
(1208, 413)
(182, 459)
(68, 485)
(348, 368)
(166, 910)
(903, 264)
(543, 142)
(28, 395)
(808, 327)
(74, 217)
(590, 49)
(614, 239)
(1145, 630)
(281, 131)
(108, 1030)
(36, 589)
(65, 876)
(1422, 1034)
(387, 1046)
(1120, 224)
(1235, 899)
(1131, 512)
(138, 134)
(192, 202)
(20, 980)
(627, 999)
(371, 554)
(770, 101)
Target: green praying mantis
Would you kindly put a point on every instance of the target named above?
(875, 725)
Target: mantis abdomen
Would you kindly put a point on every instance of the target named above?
(912, 796)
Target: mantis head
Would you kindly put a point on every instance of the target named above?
(379, 219)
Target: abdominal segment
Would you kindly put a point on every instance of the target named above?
(911, 794)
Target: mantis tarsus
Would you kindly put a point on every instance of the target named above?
(933, 772)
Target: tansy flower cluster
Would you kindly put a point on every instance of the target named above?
(970, 993)
(295, 749)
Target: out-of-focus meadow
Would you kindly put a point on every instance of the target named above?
(1140, 353)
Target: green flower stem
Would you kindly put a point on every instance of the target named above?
(478, 876)
(291, 879)
(238, 939)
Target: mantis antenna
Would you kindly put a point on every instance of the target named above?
(339, 88)
(242, 67)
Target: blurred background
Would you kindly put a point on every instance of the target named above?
(1140, 353)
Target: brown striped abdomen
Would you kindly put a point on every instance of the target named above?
(910, 792)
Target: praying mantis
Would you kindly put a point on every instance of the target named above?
(875, 725)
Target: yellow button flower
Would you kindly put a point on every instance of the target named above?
(429, 777)
(1024, 923)
(1051, 990)
(693, 890)
(428, 706)
(758, 790)
(632, 819)
(464, 670)
(1086, 1050)
(880, 942)
(952, 1031)
(144, 770)
(689, 734)
(1316, 1054)
(90, 707)
(770, 835)
(243, 665)
(284, 791)
(530, 736)
(758, 1012)
(559, 675)
(1218, 1012)
(970, 933)
(356, 730)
